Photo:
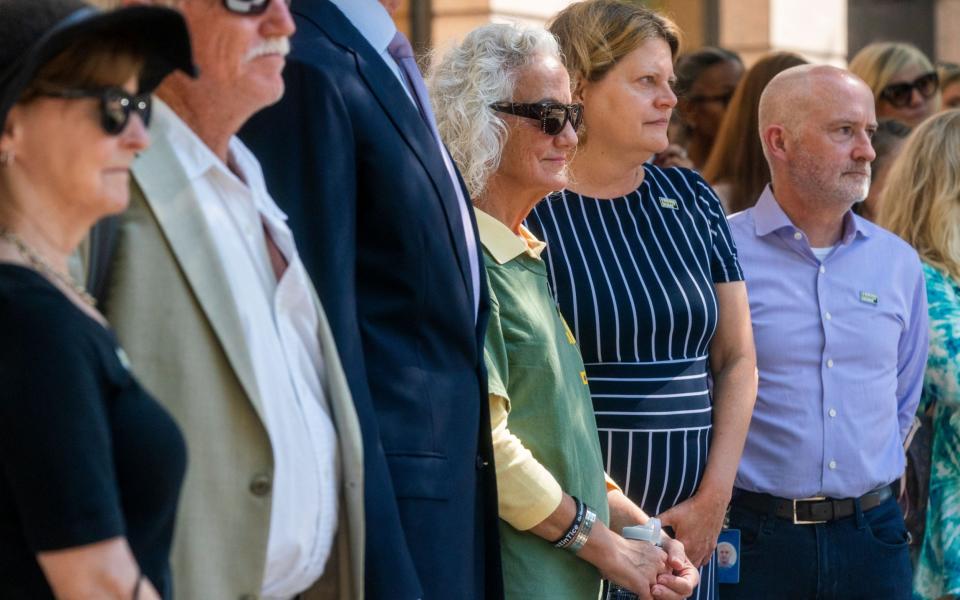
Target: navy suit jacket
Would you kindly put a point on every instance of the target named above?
(348, 157)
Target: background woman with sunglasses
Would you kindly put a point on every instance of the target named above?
(510, 126)
(90, 465)
(904, 81)
(642, 261)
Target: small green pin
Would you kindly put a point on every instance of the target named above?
(669, 203)
(869, 298)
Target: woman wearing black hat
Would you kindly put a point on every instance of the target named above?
(90, 465)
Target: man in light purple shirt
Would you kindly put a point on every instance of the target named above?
(840, 322)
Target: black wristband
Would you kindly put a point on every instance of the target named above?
(567, 538)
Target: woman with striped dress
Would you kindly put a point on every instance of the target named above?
(643, 268)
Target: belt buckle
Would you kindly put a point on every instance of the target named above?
(811, 499)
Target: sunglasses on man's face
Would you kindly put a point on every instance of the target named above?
(116, 106)
(248, 7)
(553, 116)
(899, 94)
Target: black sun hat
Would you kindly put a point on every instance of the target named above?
(32, 32)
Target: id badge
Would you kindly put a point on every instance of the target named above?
(728, 556)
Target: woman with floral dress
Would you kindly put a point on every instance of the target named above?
(922, 205)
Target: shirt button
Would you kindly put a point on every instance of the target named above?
(798, 236)
(829, 363)
(833, 464)
(828, 316)
(480, 463)
(833, 412)
(260, 485)
(823, 269)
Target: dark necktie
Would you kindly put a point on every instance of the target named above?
(402, 53)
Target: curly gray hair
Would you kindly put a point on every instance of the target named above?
(472, 76)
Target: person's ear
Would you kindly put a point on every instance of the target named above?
(12, 131)
(774, 138)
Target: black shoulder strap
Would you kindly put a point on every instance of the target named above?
(103, 238)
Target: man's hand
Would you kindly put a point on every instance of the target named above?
(697, 522)
(685, 576)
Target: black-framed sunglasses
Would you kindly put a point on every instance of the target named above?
(116, 105)
(898, 94)
(553, 116)
(248, 7)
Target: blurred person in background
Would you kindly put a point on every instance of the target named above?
(641, 261)
(706, 80)
(949, 74)
(504, 109)
(90, 464)
(887, 143)
(921, 204)
(736, 168)
(904, 82)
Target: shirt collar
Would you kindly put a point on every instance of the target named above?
(197, 159)
(769, 217)
(372, 21)
(503, 244)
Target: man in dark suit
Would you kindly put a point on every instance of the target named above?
(388, 235)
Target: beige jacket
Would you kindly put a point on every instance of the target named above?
(167, 298)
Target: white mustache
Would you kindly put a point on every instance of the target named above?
(276, 45)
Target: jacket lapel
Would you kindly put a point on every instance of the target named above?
(171, 197)
(392, 98)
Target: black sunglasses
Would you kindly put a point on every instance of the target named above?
(248, 7)
(116, 105)
(553, 116)
(898, 94)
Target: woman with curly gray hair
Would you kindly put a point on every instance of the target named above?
(503, 107)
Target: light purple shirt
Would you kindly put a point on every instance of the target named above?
(841, 349)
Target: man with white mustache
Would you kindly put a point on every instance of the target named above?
(840, 323)
(209, 296)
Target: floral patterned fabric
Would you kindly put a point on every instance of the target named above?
(938, 570)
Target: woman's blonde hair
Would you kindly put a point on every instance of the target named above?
(595, 35)
(921, 202)
(878, 63)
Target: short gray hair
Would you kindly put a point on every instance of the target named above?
(472, 76)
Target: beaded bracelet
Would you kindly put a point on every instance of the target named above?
(567, 538)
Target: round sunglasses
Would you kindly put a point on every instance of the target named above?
(116, 105)
(899, 94)
(553, 116)
(248, 7)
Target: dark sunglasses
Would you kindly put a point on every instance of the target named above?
(553, 116)
(116, 105)
(898, 94)
(248, 7)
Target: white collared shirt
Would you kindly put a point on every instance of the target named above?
(280, 327)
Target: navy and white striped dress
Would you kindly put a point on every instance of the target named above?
(635, 276)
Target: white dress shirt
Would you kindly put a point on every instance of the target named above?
(280, 324)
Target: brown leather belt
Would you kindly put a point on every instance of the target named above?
(810, 511)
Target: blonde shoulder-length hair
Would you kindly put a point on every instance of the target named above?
(921, 201)
(878, 63)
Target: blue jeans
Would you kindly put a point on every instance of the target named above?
(863, 556)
